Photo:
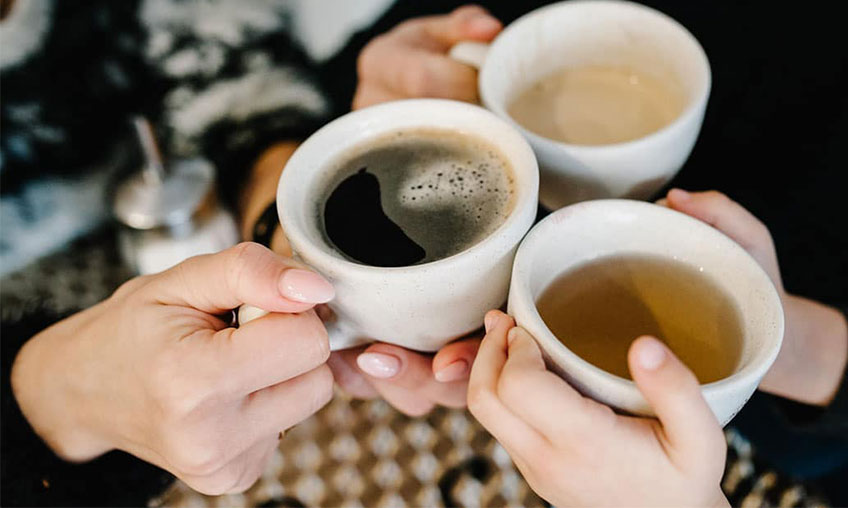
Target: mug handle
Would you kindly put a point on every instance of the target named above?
(340, 336)
(470, 53)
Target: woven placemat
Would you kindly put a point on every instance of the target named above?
(364, 453)
(357, 453)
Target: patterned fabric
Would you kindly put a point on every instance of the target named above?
(221, 79)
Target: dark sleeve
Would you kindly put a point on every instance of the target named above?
(831, 420)
(32, 475)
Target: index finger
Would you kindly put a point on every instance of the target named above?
(543, 399)
(267, 351)
(483, 402)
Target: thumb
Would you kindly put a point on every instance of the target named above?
(468, 22)
(675, 395)
(247, 273)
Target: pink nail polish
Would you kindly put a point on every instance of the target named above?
(305, 286)
(378, 364)
(453, 372)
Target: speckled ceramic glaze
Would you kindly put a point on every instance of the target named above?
(423, 306)
(580, 233)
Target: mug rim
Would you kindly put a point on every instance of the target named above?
(526, 307)
(691, 111)
(524, 168)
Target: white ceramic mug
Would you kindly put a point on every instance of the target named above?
(596, 32)
(587, 231)
(419, 307)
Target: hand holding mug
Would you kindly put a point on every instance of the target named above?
(814, 352)
(154, 370)
(411, 60)
(574, 451)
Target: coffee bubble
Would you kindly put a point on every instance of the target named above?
(444, 189)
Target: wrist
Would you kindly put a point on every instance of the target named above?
(812, 359)
(47, 392)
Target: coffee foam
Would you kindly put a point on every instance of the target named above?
(446, 190)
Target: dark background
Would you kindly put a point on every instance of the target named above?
(775, 128)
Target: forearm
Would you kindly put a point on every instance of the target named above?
(812, 360)
(261, 189)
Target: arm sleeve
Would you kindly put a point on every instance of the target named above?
(831, 420)
(32, 475)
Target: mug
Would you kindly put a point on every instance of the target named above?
(596, 32)
(420, 307)
(586, 231)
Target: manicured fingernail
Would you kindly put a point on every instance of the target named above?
(484, 23)
(679, 194)
(305, 286)
(378, 364)
(651, 354)
(490, 321)
(453, 372)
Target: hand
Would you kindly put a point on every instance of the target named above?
(153, 371)
(412, 382)
(814, 353)
(574, 451)
(411, 60)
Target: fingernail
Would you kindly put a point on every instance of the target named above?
(490, 321)
(453, 372)
(651, 354)
(305, 286)
(679, 194)
(484, 23)
(378, 364)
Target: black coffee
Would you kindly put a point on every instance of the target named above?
(415, 196)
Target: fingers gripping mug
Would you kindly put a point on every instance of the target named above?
(596, 34)
(422, 306)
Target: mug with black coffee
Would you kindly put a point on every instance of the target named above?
(413, 210)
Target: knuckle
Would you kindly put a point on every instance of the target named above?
(511, 386)
(761, 234)
(195, 457)
(367, 63)
(479, 401)
(418, 80)
(239, 259)
(131, 286)
(323, 384)
(176, 394)
(313, 330)
(216, 484)
(717, 197)
(466, 10)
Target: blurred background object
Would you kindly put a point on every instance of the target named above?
(168, 210)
